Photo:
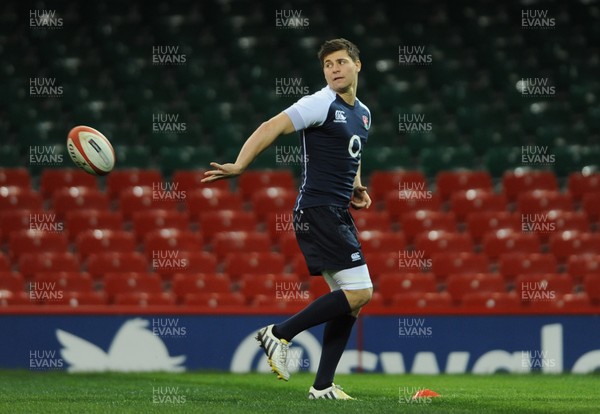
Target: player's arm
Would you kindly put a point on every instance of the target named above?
(360, 197)
(260, 140)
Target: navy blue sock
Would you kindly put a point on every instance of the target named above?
(335, 338)
(324, 309)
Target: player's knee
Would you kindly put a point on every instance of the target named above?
(358, 298)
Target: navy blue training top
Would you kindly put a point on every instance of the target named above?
(332, 135)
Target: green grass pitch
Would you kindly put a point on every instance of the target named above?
(203, 392)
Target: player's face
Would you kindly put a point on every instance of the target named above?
(341, 72)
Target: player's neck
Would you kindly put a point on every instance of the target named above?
(349, 96)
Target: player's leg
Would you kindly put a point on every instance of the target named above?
(357, 286)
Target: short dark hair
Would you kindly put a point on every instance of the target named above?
(334, 45)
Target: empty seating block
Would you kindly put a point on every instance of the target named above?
(254, 180)
(15, 177)
(96, 241)
(503, 241)
(448, 182)
(237, 264)
(119, 180)
(273, 199)
(383, 183)
(523, 180)
(226, 220)
(444, 264)
(69, 199)
(17, 198)
(78, 221)
(55, 179)
(374, 241)
(148, 221)
(482, 222)
(211, 199)
(517, 263)
(99, 264)
(463, 203)
(415, 222)
(240, 241)
(390, 284)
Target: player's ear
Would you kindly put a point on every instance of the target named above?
(358, 64)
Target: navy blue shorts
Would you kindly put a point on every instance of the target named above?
(328, 239)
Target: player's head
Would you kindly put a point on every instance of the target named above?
(339, 58)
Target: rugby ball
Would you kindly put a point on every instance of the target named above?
(90, 150)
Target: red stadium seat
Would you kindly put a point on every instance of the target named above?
(419, 301)
(569, 220)
(226, 220)
(32, 263)
(15, 177)
(134, 200)
(389, 284)
(543, 287)
(119, 180)
(517, 263)
(578, 265)
(481, 222)
(8, 298)
(369, 219)
(448, 182)
(591, 205)
(317, 286)
(125, 282)
(281, 224)
(11, 281)
(165, 239)
(77, 299)
(460, 285)
(4, 263)
(144, 299)
(272, 302)
(374, 241)
(418, 221)
(211, 199)
(567, 243)
(520, 181)
(69, 199)
(191, 180)
(215, 300)
(15, 220)
(579, 302)
(17, 198)
(492, 301)
(434, 241)
(503, 241)
(239, 241)
(78, 221)
(237, 264)
(171, 262)
(382, 183)
(254, 180)
(539, 201)
(57, 178)
(194, 283)
(580, 184)
(66, 281)
(97, 241)
(285, 287)
(444, 264)
(36, 241)
(148, 221)
(463, 203)
(380, 263)
(288, 245)
(591, 282)
(398, 202)
(99, 264)
(272, 200)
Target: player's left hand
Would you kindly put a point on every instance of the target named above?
(221, 171)
(360, 198)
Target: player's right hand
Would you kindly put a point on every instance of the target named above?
(221, 171)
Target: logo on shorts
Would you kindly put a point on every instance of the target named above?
(340, 116)
(355, 256)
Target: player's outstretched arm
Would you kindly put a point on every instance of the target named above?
(360, 197)
(260, 140)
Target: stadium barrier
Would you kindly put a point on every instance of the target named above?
(163, 340)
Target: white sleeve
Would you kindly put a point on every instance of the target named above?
(310, 110)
